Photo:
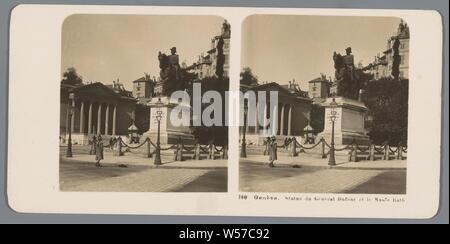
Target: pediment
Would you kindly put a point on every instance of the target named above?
(96, 89)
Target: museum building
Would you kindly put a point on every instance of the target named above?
(97, 109)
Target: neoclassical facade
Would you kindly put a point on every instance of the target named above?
(293, 112)
(97, 109)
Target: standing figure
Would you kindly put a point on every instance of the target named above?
(267, 143)
(99, 151)
(273, 156)
(174, 63)
(93, 145)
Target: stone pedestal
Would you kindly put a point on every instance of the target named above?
(169, 133)
(349, 124)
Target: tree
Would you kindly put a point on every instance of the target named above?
(220, 58)
(317, 118)
(71, 77)
(142, 119)
(215, 134)
(387, 101)
(248, 78)
(396, 59)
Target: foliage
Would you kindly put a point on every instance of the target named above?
(317, 118)
(71, 77)
(217, 134)
(248, 78)
(396, 59)
(142, 119)
(220, 59)
(387, 101)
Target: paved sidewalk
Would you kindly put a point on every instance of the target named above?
(322, 181)
(306, 160)
(159, 180)
(138, 160)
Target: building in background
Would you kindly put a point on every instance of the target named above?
(319, 89)
(98, 109)
(294, 107)
(206, 65)
(381, 67)
(143, 89)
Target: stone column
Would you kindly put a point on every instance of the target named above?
(114, 132)
(290, 120)
(72, 121)
(90, 118)
(99, 119)
(107, 120)
(82, 117)
(282, 120)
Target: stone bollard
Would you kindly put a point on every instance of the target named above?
(386, 152)
(225, 152)
(399, 151)
(211, 152)
(149, 148)
(372, 152)
(355, 152)
(180, 151)
(323, 149)
(197, 152)
(294, 152)
(118, 151)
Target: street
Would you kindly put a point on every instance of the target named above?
(258, 177)
(80, 176)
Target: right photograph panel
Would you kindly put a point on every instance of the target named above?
(325, 106)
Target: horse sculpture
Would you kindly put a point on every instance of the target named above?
(347, 78)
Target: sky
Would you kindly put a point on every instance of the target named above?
(281, 48)
(104, 48)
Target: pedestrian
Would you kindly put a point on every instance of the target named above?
(93, 145)
(267, 143)
(273, 152)
(111, 143)
(99, 151)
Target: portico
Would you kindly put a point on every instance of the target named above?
(98, 109)
(293, 113)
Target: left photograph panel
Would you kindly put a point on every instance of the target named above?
(141, 106)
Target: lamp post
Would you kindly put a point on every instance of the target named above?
(70, 110)
(331, 159)
(158, 140)
(244, 131)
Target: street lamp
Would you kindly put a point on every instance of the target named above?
(158, 140)
(244, 131)
(333, 105)
(70, 110)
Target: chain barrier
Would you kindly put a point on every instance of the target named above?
(188, 149)
(218, 150)
(343, 148)
(309, 148)
(174, 146)
(379, 149)
(204, 149)
(393, 151)
(404, 149)
(133, 147)
(362, 150)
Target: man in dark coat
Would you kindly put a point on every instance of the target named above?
(273, 155)
(99, 151)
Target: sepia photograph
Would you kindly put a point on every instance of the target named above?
(337, 117)
(158, 110)
(125, 110)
